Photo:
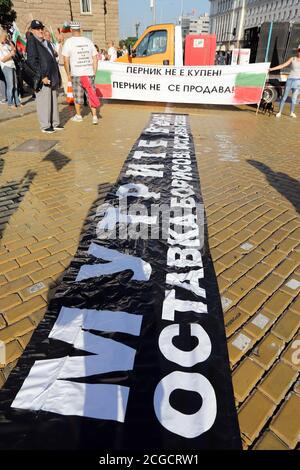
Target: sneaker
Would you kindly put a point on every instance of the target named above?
(59, 128)
(49, 130)
(293, 115)
(278, 114)
(95, 120)
(77, 118)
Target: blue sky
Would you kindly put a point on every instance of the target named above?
(167, 11)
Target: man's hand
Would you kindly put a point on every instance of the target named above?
(46, 81)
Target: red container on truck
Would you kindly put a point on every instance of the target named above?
(200, 49)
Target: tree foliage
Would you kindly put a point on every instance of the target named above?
(7, 14)
(128, 41)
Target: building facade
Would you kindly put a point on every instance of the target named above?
(200, 25)
(230, 18)
(99, 18)
(192, 25)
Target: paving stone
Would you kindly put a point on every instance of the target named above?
(243, 286)
(292, 354)
(238, 345)
(9, 301)
(274, 258)
(234, 319)
(14, 286)
(287, 326)
(25, 309)
(259, 272)
(286, 268)
(21, 272)
(291, 285)
(270, 284)
(259, 324)
(252, 302)
(13, 351)
(254, 414)
(233, 273)
(267, 351)
(245, 377)
(278, 303)
(42, 274)
(230, 258)
(15, 330)
(270, 441)
(286, 424)
(294, 307)
(278, 381)
(251, 259)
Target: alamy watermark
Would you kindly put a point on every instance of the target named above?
(183, 224)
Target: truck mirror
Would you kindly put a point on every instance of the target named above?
(131, 52)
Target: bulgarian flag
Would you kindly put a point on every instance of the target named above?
(103, 83)
(248, 87)
(18, 40)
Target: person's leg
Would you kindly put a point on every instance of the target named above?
(78, 92)
(2, 87)
(15, 88)
(43, 106)
(55, 120)
(294, 99)
(7, 71)
(285, 95)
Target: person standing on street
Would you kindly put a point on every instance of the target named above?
(111, 52)
(7, 53)
(81, 64)
(41, 58)
(292, 83)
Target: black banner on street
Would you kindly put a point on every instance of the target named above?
(132, 352)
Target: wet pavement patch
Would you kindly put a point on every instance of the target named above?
(36, 146)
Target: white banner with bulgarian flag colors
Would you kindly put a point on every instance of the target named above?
(227, 84)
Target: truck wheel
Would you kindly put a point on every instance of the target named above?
(270, 94)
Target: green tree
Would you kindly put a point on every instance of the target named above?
(129, 41)
(7, 14)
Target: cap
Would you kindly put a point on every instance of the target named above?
(75, 25)
(36, 24)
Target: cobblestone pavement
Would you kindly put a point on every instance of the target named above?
(249, 172)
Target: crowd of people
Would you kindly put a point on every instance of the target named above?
(53, 62)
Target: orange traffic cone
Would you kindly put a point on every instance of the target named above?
(70, 97)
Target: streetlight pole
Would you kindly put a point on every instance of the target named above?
(153, 8)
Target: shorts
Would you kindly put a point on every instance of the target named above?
(78, 90)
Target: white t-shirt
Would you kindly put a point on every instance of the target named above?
(112, 52)
(4, 50)
(81, 51)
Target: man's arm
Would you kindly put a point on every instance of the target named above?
(95, 64)
(67, 66)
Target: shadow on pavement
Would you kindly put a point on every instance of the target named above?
(58, 159)
(11, 196)
(286, 185)
(88, 226)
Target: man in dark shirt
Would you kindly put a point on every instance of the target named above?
(41, 58)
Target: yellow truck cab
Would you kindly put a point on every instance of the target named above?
(159, 45)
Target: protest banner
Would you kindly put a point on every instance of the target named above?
(221, 85)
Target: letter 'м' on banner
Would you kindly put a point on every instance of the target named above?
(2, 354)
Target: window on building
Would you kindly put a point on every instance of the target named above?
(88, 33)
(86, 6)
